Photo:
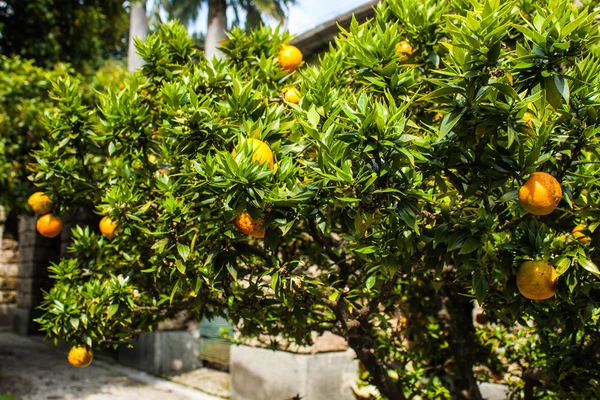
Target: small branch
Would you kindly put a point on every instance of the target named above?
(327, 244)
(245, 247)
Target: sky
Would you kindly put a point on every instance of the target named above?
(309, 13)
(303, 16)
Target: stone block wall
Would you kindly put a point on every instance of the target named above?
(9, 267)
(36, 254)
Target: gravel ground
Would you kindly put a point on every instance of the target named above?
(208, 380)
(32, 370)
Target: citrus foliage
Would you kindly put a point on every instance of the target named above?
(24, 104)
(24, 98)
(393, 196)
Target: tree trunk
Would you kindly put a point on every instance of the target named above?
(457, 316)
(217, 26)
(2, 223)
(386, 386)
(138, 27)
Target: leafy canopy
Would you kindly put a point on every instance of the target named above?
(394, 196)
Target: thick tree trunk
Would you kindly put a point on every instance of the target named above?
(138, 27)
(217, 26)
(457, 316)
(386, 386)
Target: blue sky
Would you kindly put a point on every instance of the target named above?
(305, 15)
(309, 13)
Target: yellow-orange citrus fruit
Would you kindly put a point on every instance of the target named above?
(290, 58)
(404, 323)
(261, 152)
(49, 225)
(80, 357)
(40, 203)
(404, 48)
(537, 280)
(108, 227)
(578, 233)
(248, 225)
(438, 117)
(541, 194)
(292, 95)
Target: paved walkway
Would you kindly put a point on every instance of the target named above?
(34, 370)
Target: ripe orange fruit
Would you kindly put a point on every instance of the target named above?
(261, 152)
(80, 357)
(49, 225)
(40, 203)
(248, 225)
(404, 49)
(107, 227)
(537, 280)
(579, 235)
(541, 194)
(292, 95)
(290, 58)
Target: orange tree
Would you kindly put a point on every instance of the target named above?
(391, 204)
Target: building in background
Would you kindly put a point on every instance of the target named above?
(316, 40)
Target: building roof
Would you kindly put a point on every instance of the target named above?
(318, 38)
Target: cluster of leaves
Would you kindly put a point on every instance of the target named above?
(24, 98)
(393, 197)
(25, 102)
(52, 31)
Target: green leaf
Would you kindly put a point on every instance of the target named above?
(553, 96)
(562, 85)
(588, 265)
(160, 245)
(406, 214)
(231, 269)
(183, 250)
(506, 89)
(180, 266)
(313, 117)
(472, 244)
(480, 286)
(371, 282)
(448, 123)
(443, 92)
(173, 291)
(366, 250)
(562, 265)
(274, 281)
(512, 195)
(112, 309)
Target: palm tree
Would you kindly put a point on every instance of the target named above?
(138, 27)
(187, 11)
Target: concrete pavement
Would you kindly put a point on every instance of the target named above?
(31, 369)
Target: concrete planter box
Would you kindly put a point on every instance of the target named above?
(162, 353)
(259, 374)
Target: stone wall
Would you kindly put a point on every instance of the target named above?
(9, 259)
(36, 253)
